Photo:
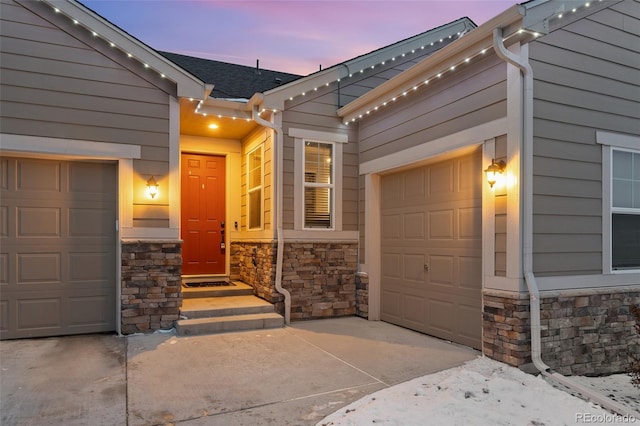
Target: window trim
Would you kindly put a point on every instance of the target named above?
(331, 186)
(300, 137)
(261, 187)
(611, 142)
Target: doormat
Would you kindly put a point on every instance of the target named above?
(209, 284)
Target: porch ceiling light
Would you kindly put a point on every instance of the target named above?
(494, 171)
(152, 187)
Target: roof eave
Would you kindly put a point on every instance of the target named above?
(188, 85)
(452, 53)
(275, 98)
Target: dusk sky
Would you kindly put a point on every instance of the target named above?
(295, 36)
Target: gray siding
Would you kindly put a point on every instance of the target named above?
(317, 111)
(586, 78)
(469, 98)
(59, 81)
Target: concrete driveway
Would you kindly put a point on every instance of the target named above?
(291, 376)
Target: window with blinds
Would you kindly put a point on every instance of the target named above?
(625, 210)
(318, 185)
(254, 188)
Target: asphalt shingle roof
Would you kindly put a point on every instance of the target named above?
(231, 81)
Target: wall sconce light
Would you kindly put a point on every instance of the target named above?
(494, 171)
(152, 187)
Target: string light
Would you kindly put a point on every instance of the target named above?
(465, 61)
(327, 84)
(449, 68)
(111, 43)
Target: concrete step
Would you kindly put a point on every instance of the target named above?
(198, 326)
(224, 306)
(238, 289)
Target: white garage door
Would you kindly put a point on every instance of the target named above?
(57, 260)
(431, 249)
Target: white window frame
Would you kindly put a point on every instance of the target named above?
(260, 187)
(331, 186)
(301, 136)
(611, 142)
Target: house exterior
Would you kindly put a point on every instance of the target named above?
(550, 88)
(356, 190)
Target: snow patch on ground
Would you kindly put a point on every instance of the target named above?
(480, 392)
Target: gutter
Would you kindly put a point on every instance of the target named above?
(527, 223)
(278, 194)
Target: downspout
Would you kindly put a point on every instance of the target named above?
(278, 153)
(527, 223)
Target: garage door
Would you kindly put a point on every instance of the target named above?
(431, 249)
(57, 261)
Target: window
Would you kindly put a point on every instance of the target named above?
(318, 184)
(254, 188)
(625, 209)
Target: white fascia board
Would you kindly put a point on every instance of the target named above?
(188, 85)
(276, 98)
(226, 108)
(452, 54)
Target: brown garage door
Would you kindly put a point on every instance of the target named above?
(431, 249)
(57, 261)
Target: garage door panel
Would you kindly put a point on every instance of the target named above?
(441, 178)
(441, 316)
(89, 222)
(391, 189)
(470, 270)
(92, 178)
(391, 310)
(39, 313)
(87, 266)
(441, 270)
(4, 221)
(413, 267)
(4, 173)
(38, 222)
(469, 321)
(444, 301)
(414, 184)
(4, 269)
(413, 226)
(391, 226)
(470, 223)
(39, 268)
(441, 225)
(58, 247)
(4, 315)
(413, 310)
(38, 175)
(91, 310)
(392, 265)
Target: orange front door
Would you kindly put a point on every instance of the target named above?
(202, 223)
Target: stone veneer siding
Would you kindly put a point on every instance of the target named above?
(582, 333)
(362, 295)
(320, 276)
(151, 279)
(254, 263)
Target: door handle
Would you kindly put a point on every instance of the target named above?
(426, 266)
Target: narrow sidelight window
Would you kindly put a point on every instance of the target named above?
(318, 185)
(254, 188)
